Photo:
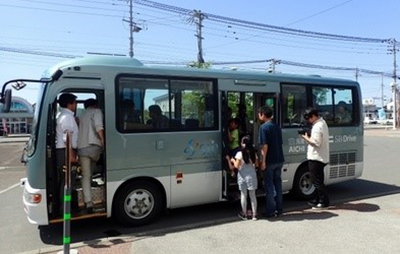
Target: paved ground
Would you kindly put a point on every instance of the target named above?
(362, 226)
(383, 132)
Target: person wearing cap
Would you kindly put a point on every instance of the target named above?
(317, 155)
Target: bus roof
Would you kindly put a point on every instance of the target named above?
(118, 62)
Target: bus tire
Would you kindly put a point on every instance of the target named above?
(138, 203)
(303, 189)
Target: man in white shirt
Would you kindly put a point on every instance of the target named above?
(317, 155)
(66, 123)
(90, 146)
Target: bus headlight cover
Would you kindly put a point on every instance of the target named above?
(32, 197)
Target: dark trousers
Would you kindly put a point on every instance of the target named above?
(317, 177)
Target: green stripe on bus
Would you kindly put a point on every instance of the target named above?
(67, 198)
(67, 240)
(67, 216)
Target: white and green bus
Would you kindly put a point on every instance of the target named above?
(146, 167)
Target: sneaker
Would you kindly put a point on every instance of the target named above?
(242, 216)
(254, 218)
(321, 206)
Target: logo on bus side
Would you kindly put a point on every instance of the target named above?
(196, 148)
(345, 138)
(297, 145)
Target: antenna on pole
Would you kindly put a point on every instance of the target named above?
(133, 27)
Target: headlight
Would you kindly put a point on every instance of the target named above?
(30, 147)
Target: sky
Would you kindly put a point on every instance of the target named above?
(36, 34)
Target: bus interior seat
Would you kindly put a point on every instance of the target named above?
(176, 124)
(192, 123)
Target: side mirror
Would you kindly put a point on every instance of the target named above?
(6, 101)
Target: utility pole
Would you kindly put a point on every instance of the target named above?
(272, 65)
(382, 96)
(197, 18)
(393, 50)
(133, 28)
(357, 73)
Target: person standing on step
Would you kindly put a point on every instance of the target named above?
(90, 146)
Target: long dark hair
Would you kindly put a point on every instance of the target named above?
(248, 150)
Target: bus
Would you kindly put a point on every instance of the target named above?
(147, 167)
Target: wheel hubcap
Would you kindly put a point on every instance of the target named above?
(139, 204)
(306, 185)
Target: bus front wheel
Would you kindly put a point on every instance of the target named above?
(303, 189)
(138, 203)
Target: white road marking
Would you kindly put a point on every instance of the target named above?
(12, 167)
(9, 188)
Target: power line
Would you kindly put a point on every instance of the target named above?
(70, 5)
(284, 62)
(63, 11)
(306, 65)
(318, 13)
(261, 26)
(33, 52)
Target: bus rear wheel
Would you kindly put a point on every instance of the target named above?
(303, 189)
(138, 203)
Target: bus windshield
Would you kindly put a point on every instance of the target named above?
(32, 141)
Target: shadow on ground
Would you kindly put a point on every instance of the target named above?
(91, 231)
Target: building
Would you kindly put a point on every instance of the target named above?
(370, 110)
(19, 119)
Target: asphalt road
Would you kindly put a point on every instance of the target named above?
(381, 179)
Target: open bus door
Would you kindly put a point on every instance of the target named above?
(51, 179)
(224, 142)
(98, 186)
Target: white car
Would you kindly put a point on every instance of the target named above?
(368, 120)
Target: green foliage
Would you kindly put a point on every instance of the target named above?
(320, 95)
(234, 100)
(193, 105)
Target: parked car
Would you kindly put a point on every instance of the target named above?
(368, 120)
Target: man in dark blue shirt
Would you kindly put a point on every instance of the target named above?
(270, 141)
